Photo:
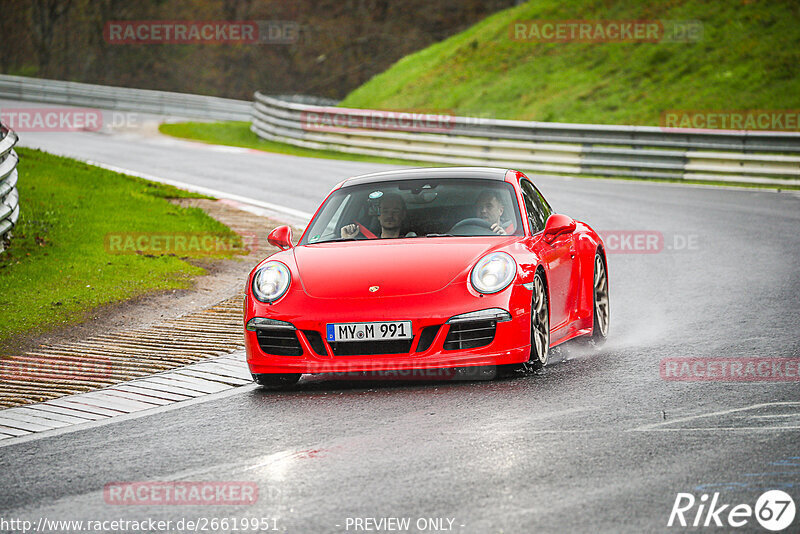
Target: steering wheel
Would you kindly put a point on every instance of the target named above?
(472, 226)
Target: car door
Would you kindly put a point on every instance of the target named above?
(557, 257)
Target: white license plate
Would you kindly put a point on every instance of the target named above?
(369, 331)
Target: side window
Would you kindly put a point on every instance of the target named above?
(535, 205)
(547, 211)
(529, 209)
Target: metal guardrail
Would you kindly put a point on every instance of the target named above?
(9, 197)
(573, 149)
(123, 98)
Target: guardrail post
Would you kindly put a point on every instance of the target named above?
(9, 197)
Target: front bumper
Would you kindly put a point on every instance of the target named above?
(510, 344)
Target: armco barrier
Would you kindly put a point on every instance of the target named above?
(754, 157)
(9, 197)
(123, 98)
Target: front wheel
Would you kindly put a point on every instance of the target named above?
(274, 380)
(540, 331)
(602, 313)
(540, 325)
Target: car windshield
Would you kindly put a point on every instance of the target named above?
(417, 209)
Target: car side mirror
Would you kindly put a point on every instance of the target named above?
(558, 224)
(281, 237)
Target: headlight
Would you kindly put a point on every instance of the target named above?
(271, 281)
(493, 272)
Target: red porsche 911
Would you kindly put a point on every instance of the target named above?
(425, 269)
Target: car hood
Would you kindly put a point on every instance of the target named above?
(397, 267)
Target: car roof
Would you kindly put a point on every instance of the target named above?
(486, 173)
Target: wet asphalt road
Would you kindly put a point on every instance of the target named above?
(598, 442)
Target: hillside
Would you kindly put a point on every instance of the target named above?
(748, 58)
(320, 47)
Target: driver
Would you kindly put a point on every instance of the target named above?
(489, 207)
(392, 218)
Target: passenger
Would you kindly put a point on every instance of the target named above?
(392, 218)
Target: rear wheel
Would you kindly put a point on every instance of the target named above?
(601, 308)
(271, 380)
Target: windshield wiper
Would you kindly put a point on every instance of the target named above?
(439, 235)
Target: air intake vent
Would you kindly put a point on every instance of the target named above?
(426, 337)
(367, 348)
(470, 335)
(279, 341)
(315, 340)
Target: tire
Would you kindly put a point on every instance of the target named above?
(273, 381)
(540, 332)
(601, 309)
(540, 325)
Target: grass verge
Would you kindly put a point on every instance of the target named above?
(237, 133)
(63, 260)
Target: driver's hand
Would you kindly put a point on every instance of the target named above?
(351, 230)
(496, 228)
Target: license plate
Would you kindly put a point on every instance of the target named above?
(369, 331)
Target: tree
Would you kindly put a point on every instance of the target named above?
(45, 16)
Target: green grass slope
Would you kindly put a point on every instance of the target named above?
(61, 262)
(748, 58)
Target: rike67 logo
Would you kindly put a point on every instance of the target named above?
(774, 510)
